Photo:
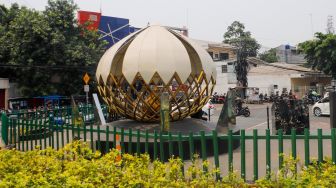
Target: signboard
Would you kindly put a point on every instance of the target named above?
(86, 88)
(86, 78)
(90, 18)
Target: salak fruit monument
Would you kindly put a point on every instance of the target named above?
(134, 72)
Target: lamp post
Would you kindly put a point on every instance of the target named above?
(332, 99)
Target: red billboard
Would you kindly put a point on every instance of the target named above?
(92, 17)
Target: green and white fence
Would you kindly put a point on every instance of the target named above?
(257, 155)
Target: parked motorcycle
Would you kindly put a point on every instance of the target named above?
(245, 111)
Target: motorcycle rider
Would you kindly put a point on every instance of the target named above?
(239, 104)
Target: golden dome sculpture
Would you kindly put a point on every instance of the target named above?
(135, 71)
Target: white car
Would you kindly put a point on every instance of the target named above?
(321, 107)
(208, 106)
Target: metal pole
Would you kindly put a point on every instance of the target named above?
(332, 99)
(268, 118)
(87, 104)
(209, 113)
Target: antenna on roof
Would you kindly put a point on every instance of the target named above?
(187, 18)
(311, 24)
(100, 7)
(330, 25)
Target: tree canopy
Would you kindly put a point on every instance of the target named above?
(238, 37)
(47, 52)
(320, 53)
(246, 47)
(269, 56)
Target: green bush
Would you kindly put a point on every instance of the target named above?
(77, 166)
(293, 174)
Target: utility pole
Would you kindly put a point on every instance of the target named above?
(332, 103)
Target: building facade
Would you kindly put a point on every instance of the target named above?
(224, 56)
(276, 77)
(289, 54)
(4, 86)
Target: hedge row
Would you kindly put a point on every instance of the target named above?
(77, 166)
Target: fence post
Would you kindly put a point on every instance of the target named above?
(138, 142)
(293, 141)
(107, 144)
(319, 145)
(155, 146)
(215, 148)
(180, 147)
(98, 140)
(230, 157)
(122, 140)
(280, 147)
(333, 145)
(255, 154)
(91, 136)
(203, 146)
(146, 142)
(4, 128)
(268, 154)
(242, 154)
(10, 130)
(130, 142)
(191, 145)
(268, 117)
(306, 144)
(161, 147)
(18, 135)
(170, 144)
(114, 137)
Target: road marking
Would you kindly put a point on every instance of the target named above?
(256, 125)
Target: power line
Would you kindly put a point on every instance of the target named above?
(57, 67)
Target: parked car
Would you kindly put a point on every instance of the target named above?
(321, 107)
(207, 106)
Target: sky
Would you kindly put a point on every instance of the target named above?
(271, 22)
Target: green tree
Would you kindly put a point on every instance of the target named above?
(6, 16)
(269, 56)
(321, 53)
(54, 51)
(237, 36)
(246, 47)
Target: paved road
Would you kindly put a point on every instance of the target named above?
(258, 119)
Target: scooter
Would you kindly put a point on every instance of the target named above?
(245, 111)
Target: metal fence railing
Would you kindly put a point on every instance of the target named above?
(252, 155)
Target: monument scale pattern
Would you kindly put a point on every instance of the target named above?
(134, 72)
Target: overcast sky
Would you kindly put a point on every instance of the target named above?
(271, 22)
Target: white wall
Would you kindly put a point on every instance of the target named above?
(4, 83)
(222, 80)
(265, 82)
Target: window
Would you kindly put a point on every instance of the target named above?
(275, 86)
(224, 56)
(224, 69)
(325, 100)
(216, 56)
(211, 54)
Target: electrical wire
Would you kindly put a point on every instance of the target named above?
(54, 67)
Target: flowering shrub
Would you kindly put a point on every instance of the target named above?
(293, 174)
(76, 165)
